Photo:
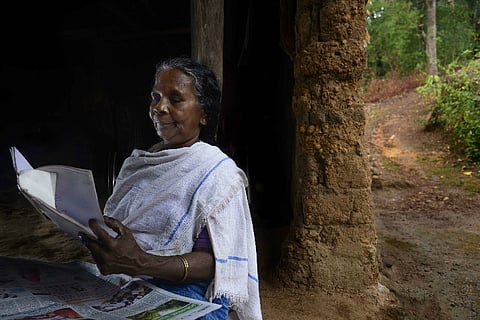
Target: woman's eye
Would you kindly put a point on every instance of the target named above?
(155, 97)
(175, 99)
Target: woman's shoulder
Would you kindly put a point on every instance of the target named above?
(225, 167)
(156, 147)
(207, 150)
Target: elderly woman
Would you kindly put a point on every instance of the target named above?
(180, 209)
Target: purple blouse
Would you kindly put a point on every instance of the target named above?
(203, 240)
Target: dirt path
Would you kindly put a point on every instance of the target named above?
(429, 234)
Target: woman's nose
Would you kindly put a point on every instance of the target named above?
(160, 107)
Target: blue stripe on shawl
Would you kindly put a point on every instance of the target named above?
(170, 238)
(230, 258)
(252, 277)
(236, 259)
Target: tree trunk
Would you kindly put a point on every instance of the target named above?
(476, 17)
(331, 245)
(431, 38)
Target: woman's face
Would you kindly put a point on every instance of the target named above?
(174, 110)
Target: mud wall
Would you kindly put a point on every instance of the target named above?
(332, 242)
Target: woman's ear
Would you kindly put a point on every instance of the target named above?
(203, 119)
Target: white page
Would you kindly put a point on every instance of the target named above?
(62, 220)
(76, 196)
(19, 161)
(38, 183)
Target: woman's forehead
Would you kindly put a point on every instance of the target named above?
(173, 78)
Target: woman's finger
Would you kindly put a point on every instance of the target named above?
(98, 230)
(116, 225)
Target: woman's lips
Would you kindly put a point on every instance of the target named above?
(159, 122)
(161, 126)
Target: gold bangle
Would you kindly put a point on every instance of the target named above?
(186, 268)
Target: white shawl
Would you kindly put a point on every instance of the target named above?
(166, 197)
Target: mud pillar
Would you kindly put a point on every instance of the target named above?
(332, 242)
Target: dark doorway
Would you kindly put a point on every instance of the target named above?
(258, 82)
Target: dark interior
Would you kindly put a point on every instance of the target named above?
(76, 77)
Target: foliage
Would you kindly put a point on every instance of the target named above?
(456, 104)
(395, 37)
(397, 30)
(455, 30)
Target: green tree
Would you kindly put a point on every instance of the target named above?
(398, 33)
(473, 7)
(395, 37)
(455, 30)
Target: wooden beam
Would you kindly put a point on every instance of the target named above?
(207, 34)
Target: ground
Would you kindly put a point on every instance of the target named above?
(428, 232)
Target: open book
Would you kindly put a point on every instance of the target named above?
(66, 195)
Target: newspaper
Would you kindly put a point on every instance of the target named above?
(32, 289)
(63, 194)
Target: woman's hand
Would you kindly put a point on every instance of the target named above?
(122, 254)
(115, 255)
